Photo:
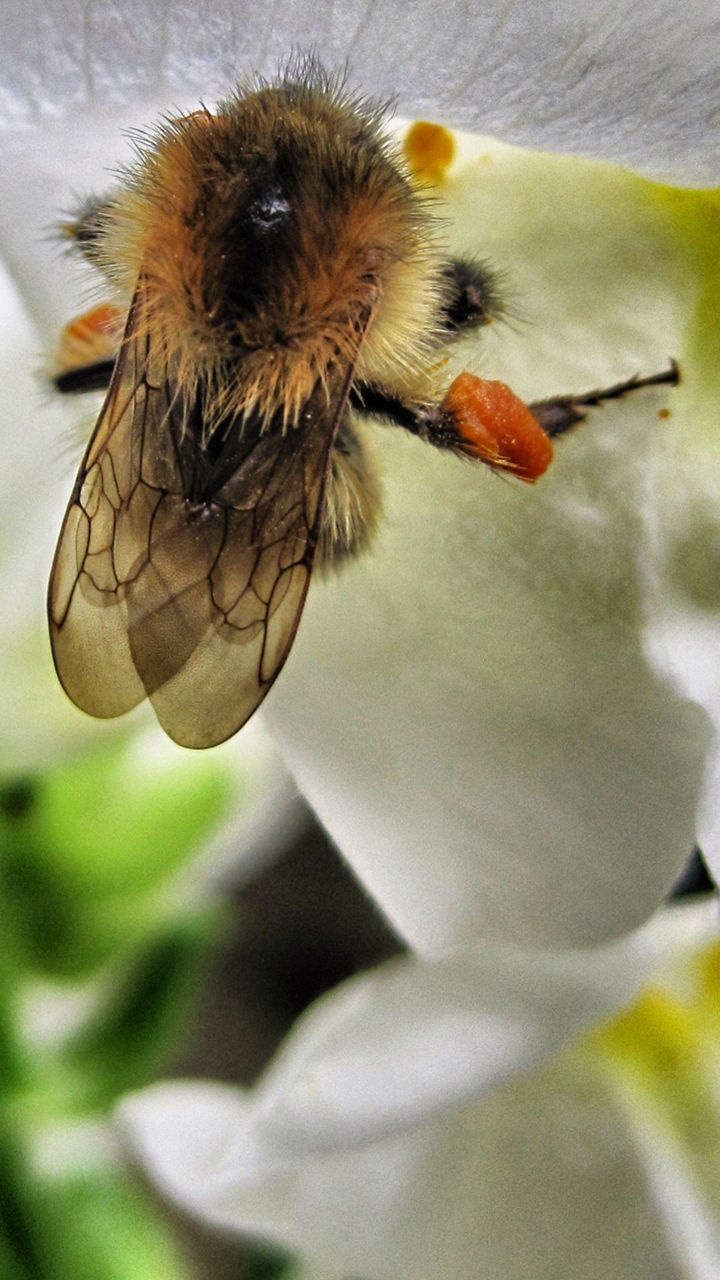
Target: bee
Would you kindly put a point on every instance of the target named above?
(277, 274)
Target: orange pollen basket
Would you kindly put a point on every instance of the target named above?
(498, 427)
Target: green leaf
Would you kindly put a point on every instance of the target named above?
(98, 1226)
(13, 1060)
(85, 848)
(266, 1263)
(133, 1033)
(19, 1259)
(10, 1267)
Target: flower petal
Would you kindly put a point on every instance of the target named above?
(32, 707)
(470, 708)
(693, 1229)
(397, 1046)
(468, 1190)
(682, 534)
(479, 688)
(524, 1182)
(391, 1049)
(634, 83)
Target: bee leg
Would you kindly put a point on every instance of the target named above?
(88, 344)
(87, 350)
(560, 413)
(85, 227)
(85, 377)
(470, 296)
(485, 420)
(435, 424)
(352, 501)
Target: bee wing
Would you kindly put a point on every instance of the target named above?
(192, 604)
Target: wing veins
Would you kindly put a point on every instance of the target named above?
(179, 532)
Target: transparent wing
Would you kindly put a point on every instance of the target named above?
(182, 569)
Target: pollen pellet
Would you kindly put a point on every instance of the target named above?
(429, 149)
(498, 426)
(90, 337)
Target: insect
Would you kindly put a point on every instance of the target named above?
(278, 275)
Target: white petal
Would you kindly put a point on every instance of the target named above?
(684, 616)
(535, 1177)
(33, 708)
(539, 1179)
(692, 1225)
(470, 708)
(635, 83)
(387, 1051)
(391, 1049)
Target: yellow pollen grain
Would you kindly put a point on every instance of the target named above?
(429, 149)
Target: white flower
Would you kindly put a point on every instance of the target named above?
(506, 714)
(479, 710)
(384, 1144)
(635, 85)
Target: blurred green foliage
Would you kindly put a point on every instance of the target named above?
(101, 959)
(84, 849)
